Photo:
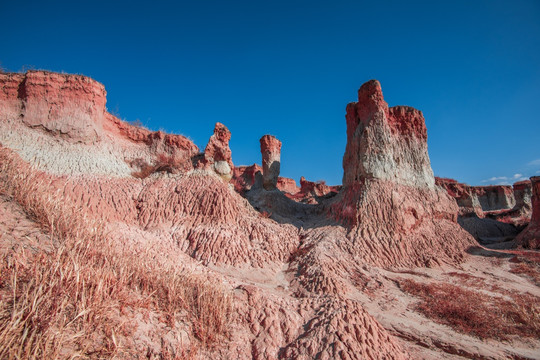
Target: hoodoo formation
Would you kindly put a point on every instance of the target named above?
(217, 154)
(198, 258)
(389, 202)
(271, 161)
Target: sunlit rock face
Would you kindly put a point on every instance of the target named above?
(385, 143)
(59, 123)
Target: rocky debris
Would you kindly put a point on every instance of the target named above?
(271, 160)
(389, 202)
(217, 154)
(311, 192)
(530, 237)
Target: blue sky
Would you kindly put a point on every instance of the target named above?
(289, 68)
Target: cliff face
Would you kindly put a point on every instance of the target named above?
(39, 108)
(68, 105)
(503, 203)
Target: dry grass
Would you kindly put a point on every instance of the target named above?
(163, 163)
(73, 301)
(525, 267)
(476, 313)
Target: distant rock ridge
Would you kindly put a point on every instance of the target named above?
(505, 203)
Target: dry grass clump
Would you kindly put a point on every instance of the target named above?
(73, 301)
(526, 267)
(173, 164)
(476, 313)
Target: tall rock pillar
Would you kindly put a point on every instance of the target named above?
(271, 160)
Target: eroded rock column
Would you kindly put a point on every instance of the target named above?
(217, 154)
(271, 160)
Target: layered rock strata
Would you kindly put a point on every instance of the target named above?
(385, 143)
(489, 212)
(56, 121)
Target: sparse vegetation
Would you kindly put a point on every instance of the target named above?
(163, 163)
(76, 300)
(476, 313)
(527, 267)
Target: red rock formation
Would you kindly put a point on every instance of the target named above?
(244, 177)
(318, 188)
(287, 185)
(467, 199)
(217, 154)
(72, 107)
(156, 139)
(311, 192)
(503, 203)
(530, 237)
(523, 195)
(75, 105)
(386, 144)
(299, 280)
(271, 160)
(394, 212)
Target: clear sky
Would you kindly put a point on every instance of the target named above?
(289, 68)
